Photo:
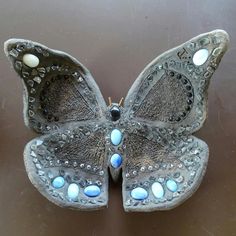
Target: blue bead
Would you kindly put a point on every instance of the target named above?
(157, 190)
(116, 137)
(92, 191)
(171, 185)
(139, 193)
(73, 192)
(116, 160)
(58, 182)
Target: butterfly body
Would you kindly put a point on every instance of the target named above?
(148, 140)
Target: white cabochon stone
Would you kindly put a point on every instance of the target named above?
(157, 190)
(116, 137)
(73, 192)
(30, 60)
(200, 57)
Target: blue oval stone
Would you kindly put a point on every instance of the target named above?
(116, 160)
(58, 182)
(73, 192)
(92, 191)
(139, 193)
(116, 137)
(171, 185)
(157, 190)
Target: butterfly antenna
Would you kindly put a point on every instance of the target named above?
(109, 101)
(121, 101)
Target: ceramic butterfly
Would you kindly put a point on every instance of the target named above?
(148, 139)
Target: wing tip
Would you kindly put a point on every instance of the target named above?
(223, 35)
(9, 44)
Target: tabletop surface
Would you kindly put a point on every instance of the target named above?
(115, 40)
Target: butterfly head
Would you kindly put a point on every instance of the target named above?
(115, 109)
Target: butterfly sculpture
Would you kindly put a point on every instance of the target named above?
(148, 139)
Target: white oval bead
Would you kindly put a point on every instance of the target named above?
(116, 137)
(30, 60)
(73, 192)
(157, 190)
(200, 57)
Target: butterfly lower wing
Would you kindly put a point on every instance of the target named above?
(69, 167)
(161, 171)
(171, 91)
(57, 88)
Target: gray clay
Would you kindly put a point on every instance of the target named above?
(148, 140)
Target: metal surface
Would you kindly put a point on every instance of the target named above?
(135, 33)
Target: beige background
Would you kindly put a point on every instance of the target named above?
(115, 40)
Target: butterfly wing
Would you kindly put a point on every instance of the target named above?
(164, 164)
(57, 88)
(161, 171)
(68, 166)
(68, 163)
(171, 91)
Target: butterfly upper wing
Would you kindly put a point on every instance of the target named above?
(164, 164)
(171, 91)
(68, 164)
(57, 88)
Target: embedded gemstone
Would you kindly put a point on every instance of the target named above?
(92, 191)
(115, 113)
(73, 192)
(157, 190)
(139, 193)
(58, 182)
(200, 57)
(39, 142)
(171, 185)
(116, 137)
(116, 160)
(30, 60)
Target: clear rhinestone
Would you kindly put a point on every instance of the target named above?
(33, 154)
(81, 165)
(38, 166)
(37, 79)
(143, 168)
(150, 168)
(88, 167)
(80, 79)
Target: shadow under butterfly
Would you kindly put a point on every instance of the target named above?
(149, 139)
